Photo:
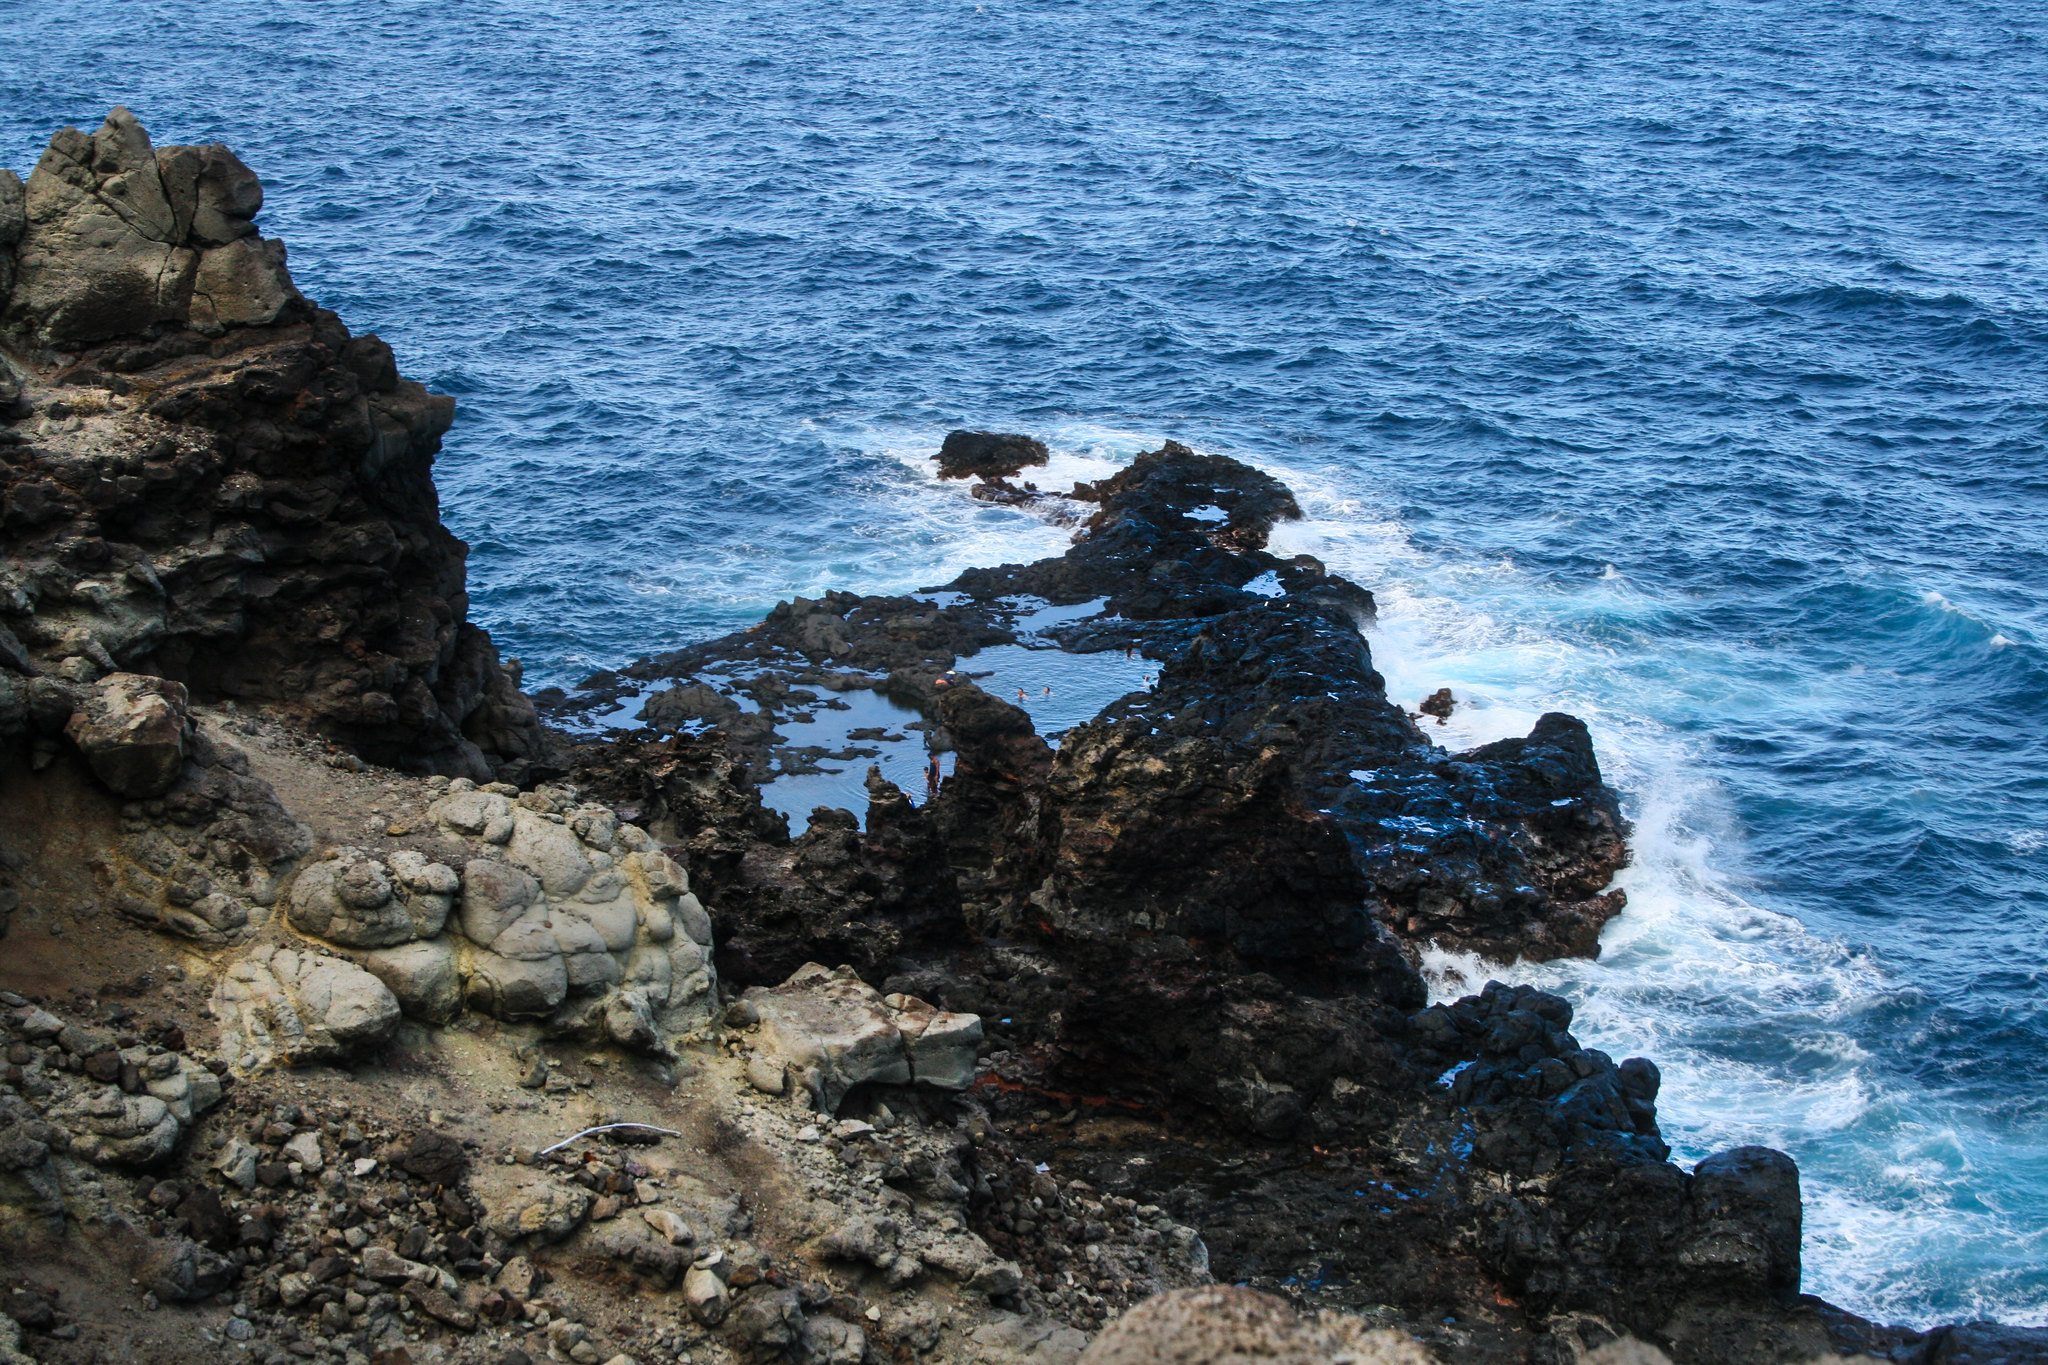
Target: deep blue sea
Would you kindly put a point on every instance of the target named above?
(1681, 366)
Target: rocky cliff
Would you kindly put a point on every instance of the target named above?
(206, 477)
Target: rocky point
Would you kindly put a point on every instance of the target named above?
(356, 1009)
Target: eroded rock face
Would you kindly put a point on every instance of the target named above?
(207, 478)
(358, 902)
(206, 859)
(281, 1005)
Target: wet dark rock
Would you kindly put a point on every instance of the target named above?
(988, 454)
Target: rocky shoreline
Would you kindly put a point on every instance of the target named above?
(324, 944)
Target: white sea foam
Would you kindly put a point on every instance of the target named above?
(1751, 1018)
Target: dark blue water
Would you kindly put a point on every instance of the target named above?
(1682, 366)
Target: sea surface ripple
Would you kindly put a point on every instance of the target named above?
(1679, 366)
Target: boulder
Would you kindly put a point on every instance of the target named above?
(119, 237)
(570, 917)
(278, 1005)
(133, 731)
(1229, 1325)
(834, 1031)
(520, 1202)
(110, 1128)
(358, 902)
(423, 978)
(1746, 1203)
(705, 1295)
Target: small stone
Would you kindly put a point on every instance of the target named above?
(518, 1278)
(670, 1226)
(238, 1329)
(705, 1294)
(767, 1075)
(305, 1149)
(363, 1166)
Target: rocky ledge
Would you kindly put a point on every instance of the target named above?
(351, 1014)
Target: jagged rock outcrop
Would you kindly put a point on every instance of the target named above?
(1206, 903)
(205, 477)
(119, 237)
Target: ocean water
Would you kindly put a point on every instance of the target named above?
(1678, 366)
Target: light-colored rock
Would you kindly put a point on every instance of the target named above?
(705, 1294)
(670, 1225)
(572, 920)
(237, 1162)
(422, 976)
(10, 1343)
(1228, 1325)
(186, 1088)
(357, 901)
(834, 1341)
(941, 1044)
(767, 1074)
(518, 1278)
(243, 283)
(1034, 1340)
(133, 731)
(282, 1005)
(834, 1031)
(304, 1148)
(113, 1129)
(388, 1267)
(520, 1202)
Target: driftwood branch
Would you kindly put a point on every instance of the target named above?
(606, 1128)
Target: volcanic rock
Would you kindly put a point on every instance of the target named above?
(988, 454)
(277, 1004)
(833, 1031)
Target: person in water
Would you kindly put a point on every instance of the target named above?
(1048, 689)
(931, 778)
(1020, 696)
